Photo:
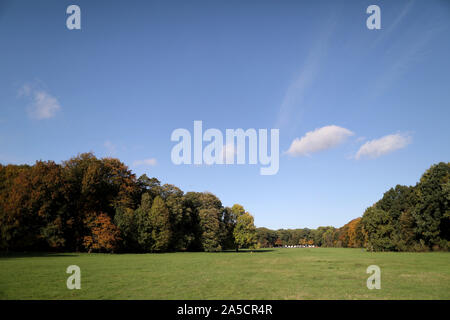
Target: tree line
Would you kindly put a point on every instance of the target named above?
(406, 218)
(99, 205)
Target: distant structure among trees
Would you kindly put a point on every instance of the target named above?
(415, 218)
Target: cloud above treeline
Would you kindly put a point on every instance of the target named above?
(332, 136)
(145, 162)
(318, 140)
(42, 104)
(384, 145)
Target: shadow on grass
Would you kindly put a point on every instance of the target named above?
(9, 255)
(13, 255)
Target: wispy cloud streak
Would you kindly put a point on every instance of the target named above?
(298, 89)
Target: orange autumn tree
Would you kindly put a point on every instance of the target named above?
(278, 243)
(351, 235)
(103, 236)
(355, 237)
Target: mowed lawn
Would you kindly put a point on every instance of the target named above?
(301, 273)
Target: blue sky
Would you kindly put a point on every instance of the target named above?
(137, 70)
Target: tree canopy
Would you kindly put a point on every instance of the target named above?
(91, 204)
(406, 218)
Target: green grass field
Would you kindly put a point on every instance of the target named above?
(314, 273)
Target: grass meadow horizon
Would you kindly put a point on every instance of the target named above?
(263, 274)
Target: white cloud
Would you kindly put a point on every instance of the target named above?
(320, 139)
(145, 162)
(43, 105)
(228, 151)
(384, 145)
